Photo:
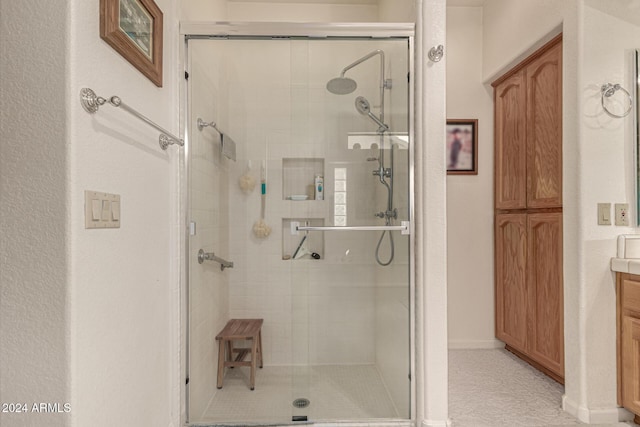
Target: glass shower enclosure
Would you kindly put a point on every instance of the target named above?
(299, 165)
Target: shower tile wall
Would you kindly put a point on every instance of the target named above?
(344, 308)
(209, 199)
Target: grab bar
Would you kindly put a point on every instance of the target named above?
(210, 256)
(404, 228)
(92, 102)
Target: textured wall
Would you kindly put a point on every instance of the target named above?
(34, 252)
(607, 153)
(470, 197)
(123, 281)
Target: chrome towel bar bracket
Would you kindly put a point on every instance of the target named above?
(210, 256)
(92, 102)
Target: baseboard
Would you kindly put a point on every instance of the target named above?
(595, 416)
(475, 344)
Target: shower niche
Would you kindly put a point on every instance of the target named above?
(304, 245)
(299, 176)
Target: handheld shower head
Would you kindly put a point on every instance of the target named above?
(341, 85)
(364, 108)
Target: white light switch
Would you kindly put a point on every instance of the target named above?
(622, 213)
(96, 209)
(604, 213)
(101, 210)
(106, 210)
(115, 211)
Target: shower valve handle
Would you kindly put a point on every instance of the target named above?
(385, 171)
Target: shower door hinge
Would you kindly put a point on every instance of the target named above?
(192, 228)
(187, 381)
(186, 75)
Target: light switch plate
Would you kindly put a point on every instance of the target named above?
(101, 210)
(622, 214)
(604, 213)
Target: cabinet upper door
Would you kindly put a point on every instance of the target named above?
(544, 129)
(510, 143)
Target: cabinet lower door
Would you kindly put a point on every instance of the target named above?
(630, 342)
(511, 283)
(544, 270)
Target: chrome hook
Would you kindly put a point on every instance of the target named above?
(436, 53)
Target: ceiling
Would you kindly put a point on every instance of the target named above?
(627, 10)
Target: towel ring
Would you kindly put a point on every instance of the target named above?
(607, 91)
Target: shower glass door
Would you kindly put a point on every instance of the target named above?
(315, 214)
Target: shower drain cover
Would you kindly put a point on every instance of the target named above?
(301, 403)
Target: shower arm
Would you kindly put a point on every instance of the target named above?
(382, 76)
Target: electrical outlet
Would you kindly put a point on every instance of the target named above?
(622, 214)
(604, 213)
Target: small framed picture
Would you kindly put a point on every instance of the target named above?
(462, 147)
(133, 28)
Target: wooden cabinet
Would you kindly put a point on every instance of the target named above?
(528, 210)
(511, 291)
(628, 319)
(544, 279)
(529, 291)
(544, 129)
(528, 133)
(510, 143)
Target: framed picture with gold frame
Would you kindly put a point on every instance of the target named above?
(462, 147)
(134, 29)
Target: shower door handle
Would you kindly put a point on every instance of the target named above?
(404, 228)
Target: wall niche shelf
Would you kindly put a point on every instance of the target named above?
(298, 175)
(304, 244)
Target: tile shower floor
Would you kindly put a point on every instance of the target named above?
(336, 392)
(493, 388)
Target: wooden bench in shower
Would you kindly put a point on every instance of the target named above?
(236, 330)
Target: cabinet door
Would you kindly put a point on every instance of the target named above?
(510, 143)
(511, 283)
(544, 271)
(544, 129)
(630, 342)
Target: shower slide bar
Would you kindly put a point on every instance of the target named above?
(404, 228)
(210, 256)
(92, 102)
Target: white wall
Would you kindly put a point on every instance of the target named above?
(431, 222)
(34, 247)
(470, 197)
(94, 309)
(123, 281)
(607, 151)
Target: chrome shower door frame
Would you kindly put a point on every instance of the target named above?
(215, 30)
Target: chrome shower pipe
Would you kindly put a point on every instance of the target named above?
(383, 84)
(379, 120)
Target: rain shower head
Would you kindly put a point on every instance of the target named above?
(344, 85)
(341, 85)
(364, 108)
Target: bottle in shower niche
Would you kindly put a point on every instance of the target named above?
(318, 184)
